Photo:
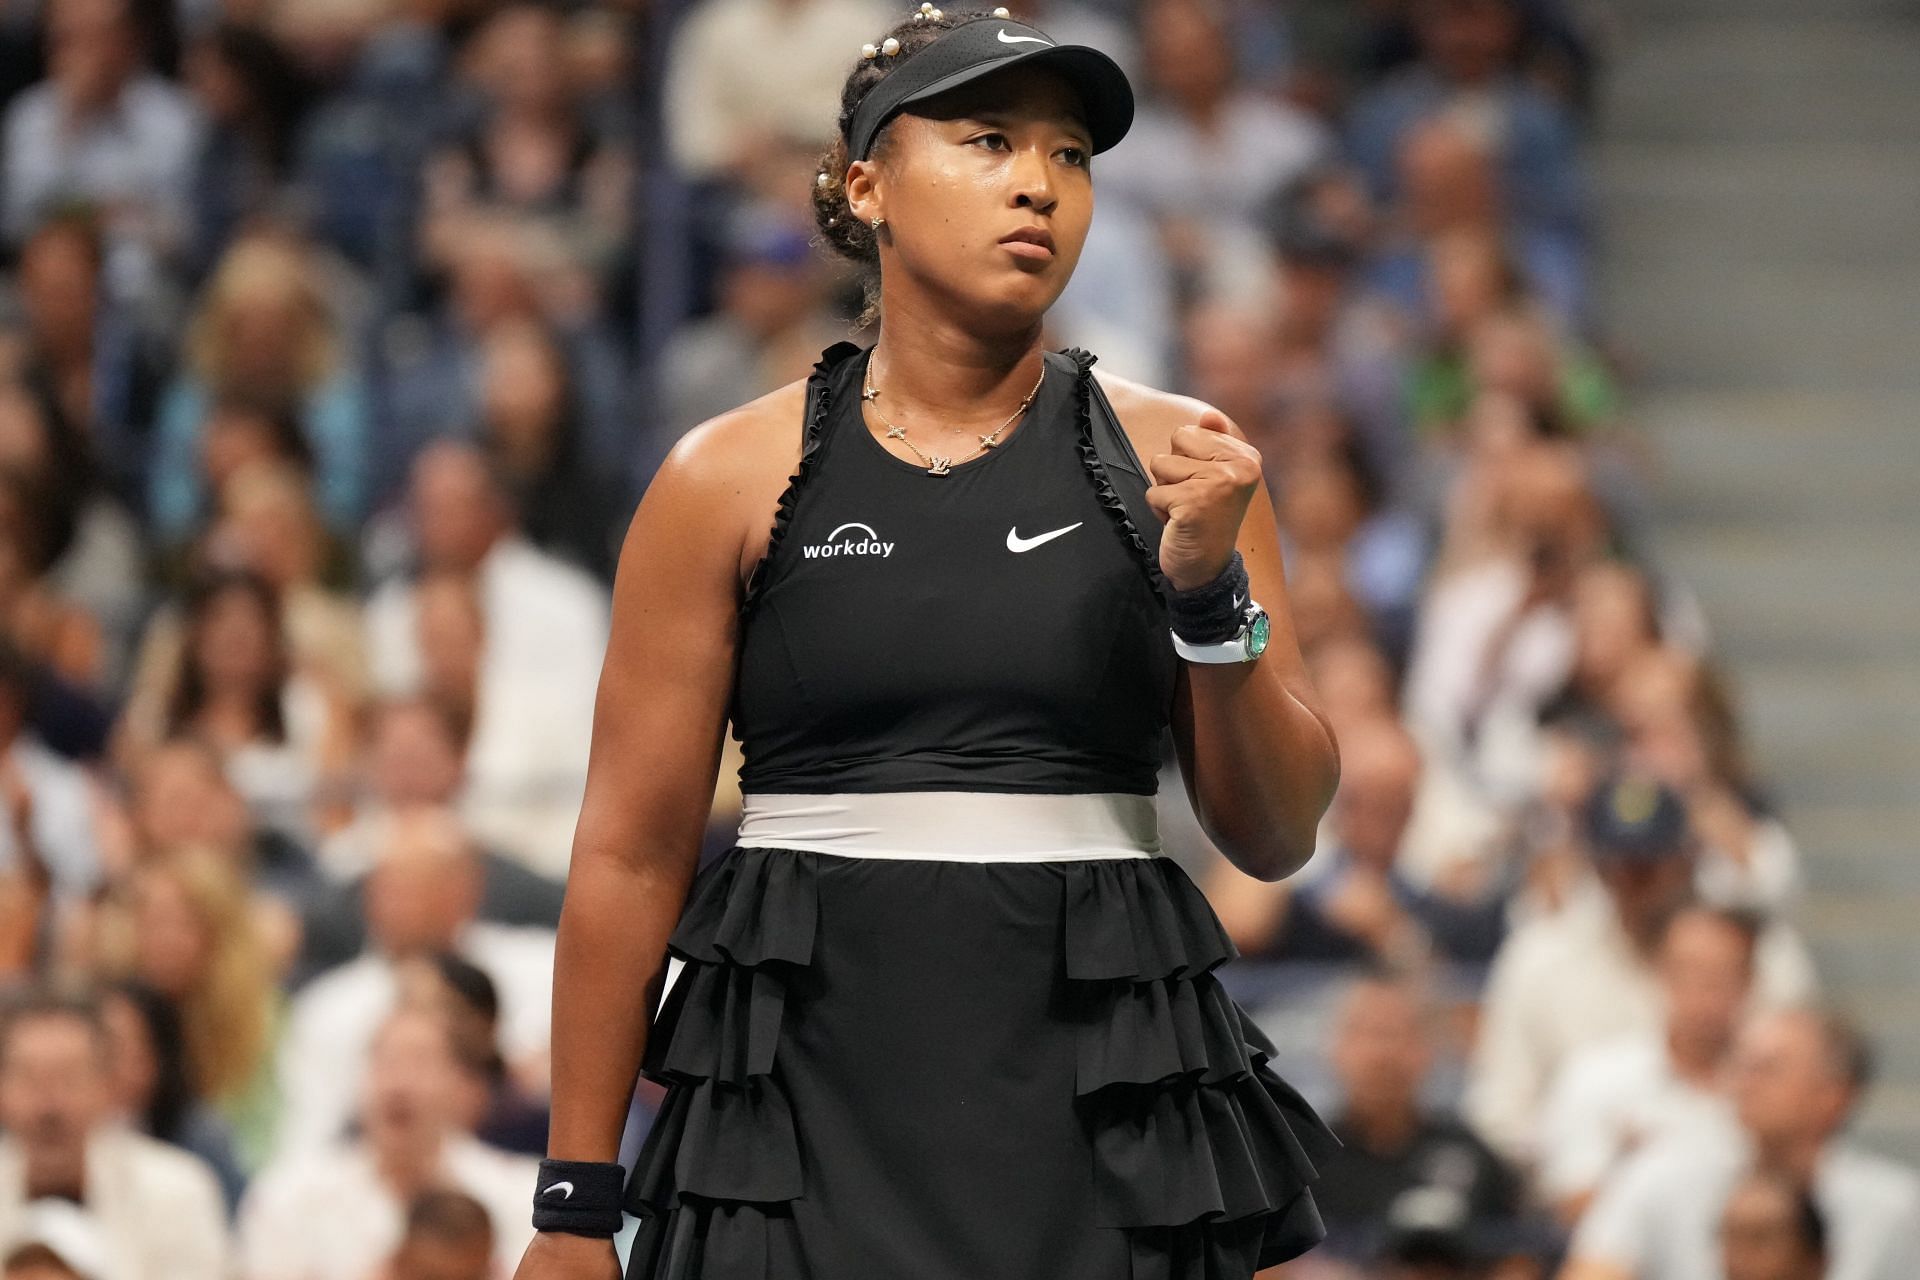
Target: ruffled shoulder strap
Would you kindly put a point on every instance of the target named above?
(1119, 477)
(819, 399)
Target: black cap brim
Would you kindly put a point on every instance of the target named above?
(989, 45)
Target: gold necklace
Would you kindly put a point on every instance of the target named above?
(937, 465)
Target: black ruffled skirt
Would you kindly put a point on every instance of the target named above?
(933, 1070)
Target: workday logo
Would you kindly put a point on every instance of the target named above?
(850, 545)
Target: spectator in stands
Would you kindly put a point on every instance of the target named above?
(157, 1209)
(49, 844)
(1680, 725)
(268, 524)
(412, 757)
(266, 331)
(180, 799)
(1466, 68)
(253, 97)
(1585, 974)
(1449, 182)
(1798, 1075)
(448, 1237)
(282, 735)
(1772, 1229)
(103, 131)
(532, 431)
(35, 615)
(531, 149)
(1361, 909)
(1495, 639)
(769, 326)
(421, 899)
(745, 78)
(1207, 150)
(182, 925)
(336, 1212)
(1395, 1143)
(153, 1081)
(506, 634)
(92, 556)
(1612, 1099)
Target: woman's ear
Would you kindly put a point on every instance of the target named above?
(863, 196)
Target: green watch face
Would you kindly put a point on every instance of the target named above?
(1257, 636)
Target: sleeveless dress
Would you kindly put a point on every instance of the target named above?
(996, 1061)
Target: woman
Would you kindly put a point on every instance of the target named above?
(185, 926)
(229, 678)
(153, 1081)
(944, 1013)
(264, 333)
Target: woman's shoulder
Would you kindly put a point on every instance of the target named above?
(1149, 414)
(723, 477)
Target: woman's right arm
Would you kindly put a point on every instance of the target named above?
(659, 719)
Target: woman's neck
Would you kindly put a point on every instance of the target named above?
(935, 369)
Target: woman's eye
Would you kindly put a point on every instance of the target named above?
(991, 137)
(1077, 156)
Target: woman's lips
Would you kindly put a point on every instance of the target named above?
(1028, 249)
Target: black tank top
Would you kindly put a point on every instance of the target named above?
(998, 628)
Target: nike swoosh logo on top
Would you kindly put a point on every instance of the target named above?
(564, 1188)
(1007, 39)
(1017, 544)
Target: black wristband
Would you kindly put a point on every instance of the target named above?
(1214, 612)
(579, 1197)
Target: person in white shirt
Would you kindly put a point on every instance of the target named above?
(46, 802)
(537, 637)
(1585, 974)
(340, 1212)
(1772, 1229)
(1615, 1097)
(1797, 1076)
(421, 898)
(157, 1209)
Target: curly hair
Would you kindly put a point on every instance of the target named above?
(839, 229)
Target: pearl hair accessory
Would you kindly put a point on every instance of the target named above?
(927, 12)
(888, 47)
(1001, 12)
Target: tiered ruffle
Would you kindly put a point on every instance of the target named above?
(712, 1180)
(1199, 1150)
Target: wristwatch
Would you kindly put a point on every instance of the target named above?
(1244, 645)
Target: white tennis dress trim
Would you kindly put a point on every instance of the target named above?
(955, 826)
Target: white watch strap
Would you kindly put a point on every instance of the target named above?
(1230, 650)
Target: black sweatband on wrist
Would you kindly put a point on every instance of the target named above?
(1214, 612)
(579, 1197)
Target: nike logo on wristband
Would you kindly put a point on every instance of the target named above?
(1017, 544)
(564, 1188)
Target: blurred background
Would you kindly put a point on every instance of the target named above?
(339, 338)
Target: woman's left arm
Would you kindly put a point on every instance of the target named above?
(1257, 752)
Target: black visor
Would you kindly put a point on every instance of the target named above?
(981, 47)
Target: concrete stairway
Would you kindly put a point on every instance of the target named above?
(1759, 171)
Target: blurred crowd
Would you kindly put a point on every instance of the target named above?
(338, 339)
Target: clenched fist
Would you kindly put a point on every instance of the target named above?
(1200, 492)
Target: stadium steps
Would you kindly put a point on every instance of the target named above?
(1759, 215)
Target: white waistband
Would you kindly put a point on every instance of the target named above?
(955, 826)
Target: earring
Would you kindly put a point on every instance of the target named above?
(877, 220)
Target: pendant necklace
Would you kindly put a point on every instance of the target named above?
(937, 465)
